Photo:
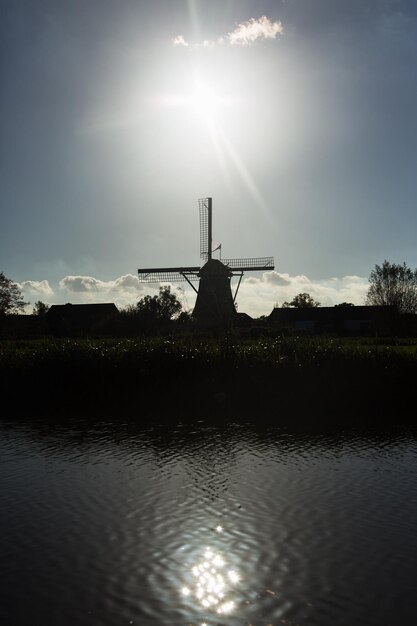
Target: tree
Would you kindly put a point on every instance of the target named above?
(10, 297)
(184, 318)
(344, 305)
(392, 284)
(162, 307)
(301, 301)
(40, 308)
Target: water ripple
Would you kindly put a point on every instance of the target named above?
(103, 524)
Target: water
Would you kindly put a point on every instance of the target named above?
(106, 524)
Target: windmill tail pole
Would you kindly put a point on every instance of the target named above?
(210, 227)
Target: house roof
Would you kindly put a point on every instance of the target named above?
(81, 310)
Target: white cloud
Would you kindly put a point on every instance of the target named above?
(36, 287)
(248, 32)
(180, 41)
(258, 295)
(127, 282)
(244, 34)
(275, 278)
(81, 284)
(123, 290)
(89, 284)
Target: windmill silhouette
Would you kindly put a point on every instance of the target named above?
(215, 304)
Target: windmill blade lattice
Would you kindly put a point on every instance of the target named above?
(254, 264)
(204, 209)
(168, 275)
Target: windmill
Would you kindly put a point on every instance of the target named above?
(215, 304)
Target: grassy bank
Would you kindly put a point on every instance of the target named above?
(272, 379)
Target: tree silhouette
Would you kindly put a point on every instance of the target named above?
(40, 308)
(162, 307)
(301, 301)
(10, 296)
(151, 315)
(392, 284)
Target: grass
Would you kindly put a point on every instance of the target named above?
(276, 379)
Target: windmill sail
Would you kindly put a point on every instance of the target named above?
(204, 205)
(168, 274)
(255, 264)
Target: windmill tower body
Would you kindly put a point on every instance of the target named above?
(215, 304)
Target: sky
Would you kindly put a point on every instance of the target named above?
(296, 116)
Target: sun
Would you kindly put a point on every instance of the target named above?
(201, 100)
(206, 103)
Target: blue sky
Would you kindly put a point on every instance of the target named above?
(115, 117)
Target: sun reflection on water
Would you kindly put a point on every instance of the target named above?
(212, 583)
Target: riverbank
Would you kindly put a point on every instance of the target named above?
(308, 380)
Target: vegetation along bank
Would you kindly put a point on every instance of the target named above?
(295, 379)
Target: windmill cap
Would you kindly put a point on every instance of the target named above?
(214, 267)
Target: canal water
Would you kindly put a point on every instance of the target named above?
(111, 524)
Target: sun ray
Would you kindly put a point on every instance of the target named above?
(220, 154)
(207, 104)
(192, 10)
(244, 174)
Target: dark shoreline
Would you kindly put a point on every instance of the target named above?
(307, 381)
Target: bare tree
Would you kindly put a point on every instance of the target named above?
(392, 284)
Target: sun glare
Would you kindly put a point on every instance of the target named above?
(202, 101)
(206, 103)
(212, 584)
(212, 106)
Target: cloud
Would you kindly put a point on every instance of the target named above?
(127, 282)
(248, 32)
(81, 284)
(244, 34)
(88, 289)
(180, 41)
(258, 295)
(89, 284)
(36, 287)
(276, 278)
